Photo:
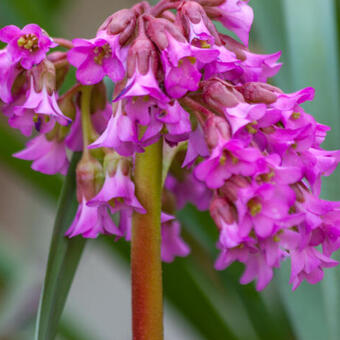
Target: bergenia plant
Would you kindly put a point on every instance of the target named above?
(192, 119)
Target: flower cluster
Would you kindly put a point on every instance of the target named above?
(241, 148)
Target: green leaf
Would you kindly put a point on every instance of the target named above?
(307, 34)
(254, 313)
(62, 263)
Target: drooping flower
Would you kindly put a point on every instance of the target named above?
(48, 156)
(172, 243)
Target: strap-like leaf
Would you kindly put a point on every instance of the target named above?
(62, 263)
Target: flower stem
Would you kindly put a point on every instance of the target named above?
(85, 116)
(146, 267)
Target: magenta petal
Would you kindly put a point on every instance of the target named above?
(89, 72)
(9, 32)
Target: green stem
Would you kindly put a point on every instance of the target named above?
(86, 123)
(146, 267)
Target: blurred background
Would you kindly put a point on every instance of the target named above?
(201, 304)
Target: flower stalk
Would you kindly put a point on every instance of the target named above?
(146, 269)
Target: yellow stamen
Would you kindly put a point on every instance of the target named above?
(254, 206)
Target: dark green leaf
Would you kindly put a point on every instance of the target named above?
(62, 263)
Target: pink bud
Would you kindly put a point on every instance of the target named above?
(219, 95)
(44, 75)
(234, 46)
(220, 208)
(142, 55)
(231, 187)
(122, 22)
(194, 18)
(259, 92)
(157, 30)
(90, 178)
(216, 128)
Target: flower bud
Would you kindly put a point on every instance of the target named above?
(44, 75)
(122, 22)
(90, 178)
(259, 92)
(230, 188)
(197, 24)
(219, 95)
(142, 56)
(157, 30)
(222, 210)
(234, 46)
(67, 106)
(216, 128)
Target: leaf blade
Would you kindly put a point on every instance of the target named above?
(62, 262)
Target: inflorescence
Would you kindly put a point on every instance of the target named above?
(240, 147)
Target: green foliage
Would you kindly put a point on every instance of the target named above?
(62, 263)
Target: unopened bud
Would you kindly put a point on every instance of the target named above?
(67, 106)
(157, 30)
(220, 95)
(231, 187)
(215, 129)
(193, 13)
(90, 178)
(122, 22)
(44, 75)
(258, 92)
(222, 210)
(142, 55)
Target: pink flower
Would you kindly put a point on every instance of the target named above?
(118, 190)
(257, 268)
(27, 46)
(48, 156)
(307, 265)
(262, 207)
(238, 17)
(8, 73)
(120, 134)
(97, 58)
(189, 190)
(232, 157)
(100, 119)
(198, 26)
(196, 147)
(172, 243)
(176, 121)
(92, 221)
(44, 103)
(182, 78)
(142, 64)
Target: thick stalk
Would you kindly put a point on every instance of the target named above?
(146, 267)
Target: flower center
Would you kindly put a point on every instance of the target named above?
(102, 52)
(29, 42)
(254, 206)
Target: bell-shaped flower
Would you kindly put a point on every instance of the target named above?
(48, 156)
